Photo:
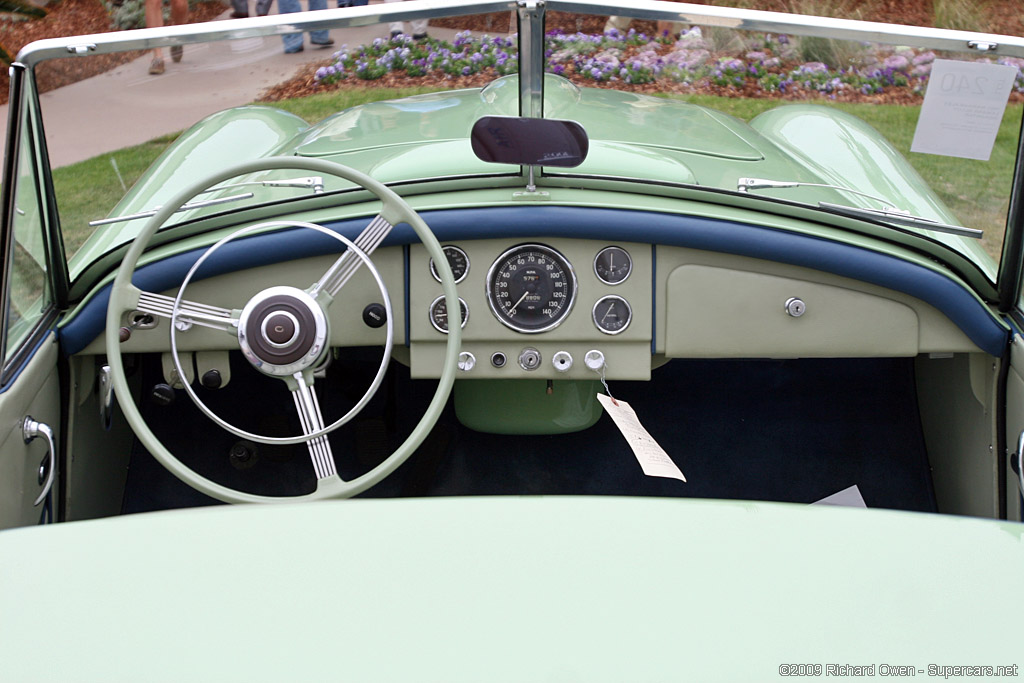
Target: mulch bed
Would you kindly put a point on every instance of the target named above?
(73, 18)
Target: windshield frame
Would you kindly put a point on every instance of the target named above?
(531, 16)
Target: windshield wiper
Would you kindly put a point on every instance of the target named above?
(903, 218)
(184, 207)
(747, 184)
(891, 214)
(315, 183)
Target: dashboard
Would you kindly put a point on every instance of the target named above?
(548, 306)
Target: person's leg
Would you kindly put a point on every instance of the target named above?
(320, 38)
(395, 26)
(618, 23)
(239, 9)
(263, 7)
(155, 18)
(292, 41)
(179, 15)
(419, 28)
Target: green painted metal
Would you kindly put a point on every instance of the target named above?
(843, 150)
(218, 141)
(486, 405)
(507, 588)
(124, 297)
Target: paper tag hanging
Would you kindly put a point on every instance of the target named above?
(653, 459)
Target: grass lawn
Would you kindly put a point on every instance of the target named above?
(977, 192)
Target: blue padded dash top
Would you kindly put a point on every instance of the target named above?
(731, 237)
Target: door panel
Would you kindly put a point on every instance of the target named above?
(34, 392)
(29, 381)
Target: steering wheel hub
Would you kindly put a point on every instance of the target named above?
(282, 330)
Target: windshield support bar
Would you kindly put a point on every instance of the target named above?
(531, 58)
(1008, 283)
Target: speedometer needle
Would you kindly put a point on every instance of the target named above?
(513, 309)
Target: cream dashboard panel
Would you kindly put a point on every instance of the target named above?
(627, 353)
(233, 290)
(713, 305)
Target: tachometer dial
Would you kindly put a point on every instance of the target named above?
(439, 313)
(612, 314)
(457, 261)
(531, 288)
(613, 265)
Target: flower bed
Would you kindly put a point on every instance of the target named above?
(766, 66)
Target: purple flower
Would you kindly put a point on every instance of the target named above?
(925, 58)
(896, 62)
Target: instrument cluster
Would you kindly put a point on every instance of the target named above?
(532, 288)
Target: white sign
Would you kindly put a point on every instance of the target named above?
(963, 107)
(654, 461)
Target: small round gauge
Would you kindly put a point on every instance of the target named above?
(530, 288)
(613, 265)
(612, 314)
(439, 313)
(457, 261)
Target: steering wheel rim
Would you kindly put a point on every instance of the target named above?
(124, 297)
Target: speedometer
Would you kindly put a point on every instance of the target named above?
(531, 288)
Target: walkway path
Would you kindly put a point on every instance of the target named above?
(212, 76)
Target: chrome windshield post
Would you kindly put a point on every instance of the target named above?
(531, 58)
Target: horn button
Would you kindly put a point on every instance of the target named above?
(282, 330)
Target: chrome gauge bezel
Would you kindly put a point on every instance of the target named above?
(440, 299)
(629, 270)
(629, 318)
(433, 268)
(554, 254)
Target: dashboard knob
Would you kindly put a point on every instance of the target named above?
(375, 315)
(467, 361)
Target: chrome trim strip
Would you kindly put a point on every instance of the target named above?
(342, 270)
(312, 421)
(200, 314)
(531, 58)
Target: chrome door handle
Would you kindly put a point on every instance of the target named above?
(1020, 462)
(31, 429)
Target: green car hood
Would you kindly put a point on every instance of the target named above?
(505, 589)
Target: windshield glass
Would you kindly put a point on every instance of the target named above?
(901, 127)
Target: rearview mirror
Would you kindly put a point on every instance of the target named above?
(529, 142)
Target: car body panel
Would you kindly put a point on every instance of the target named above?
(542, 588)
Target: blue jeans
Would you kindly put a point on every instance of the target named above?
(293, 41)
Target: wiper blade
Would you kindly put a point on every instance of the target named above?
(892, 214)
(315, 183)
(902, 218)
(747, 184)
(184, 207)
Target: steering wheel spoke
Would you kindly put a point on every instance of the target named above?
(312, 421)
(348, 263)
(189, 312)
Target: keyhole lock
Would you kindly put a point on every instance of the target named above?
(795, 307)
